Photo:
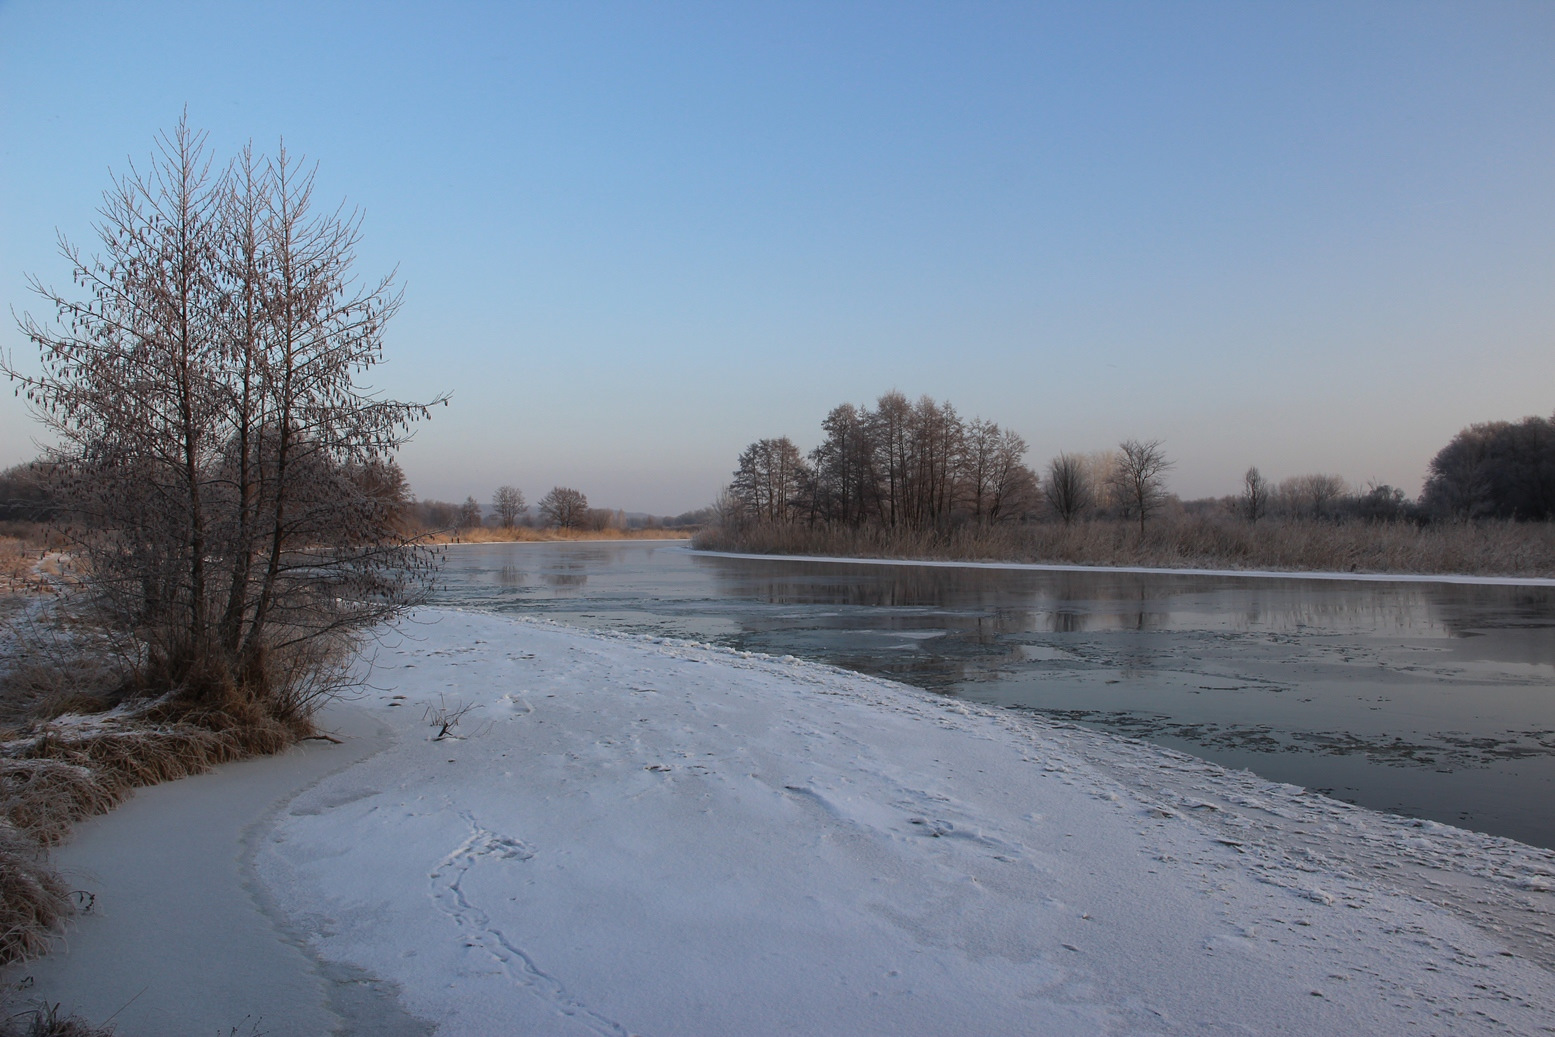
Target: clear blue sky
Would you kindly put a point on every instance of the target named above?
(635, 237)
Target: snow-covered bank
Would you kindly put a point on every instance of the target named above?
(654, 837)
(649, 836)
(1267, 574)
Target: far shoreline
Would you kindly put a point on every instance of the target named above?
(618, 537)
(1455, 579)
(1460, 579)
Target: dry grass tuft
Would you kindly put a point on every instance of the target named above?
(30, 562)
(72, 752)
(75, 742)
(66, 772)
(44, 1020)
(43, 797)
(76, 766)
(33, 900)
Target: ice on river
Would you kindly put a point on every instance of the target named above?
(630, 835)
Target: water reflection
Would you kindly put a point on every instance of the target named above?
(571, 577)
(1070, 602)
(1430, 699)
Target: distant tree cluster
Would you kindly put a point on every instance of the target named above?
(1315, 497)
(921, 467)
(562, 507)
(26, 494)
(441, 515)
(1496, 470)
(1488, 490)
(900, 465)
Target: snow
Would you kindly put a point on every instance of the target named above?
(1276, 574)
(634, 835)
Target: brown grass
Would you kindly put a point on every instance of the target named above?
(54, 662)
(1189, 542)
(69, 749)
(68, 769)
(530, 535)
(30, 559)
(34, 902)
(43, 1020)
(20, 565)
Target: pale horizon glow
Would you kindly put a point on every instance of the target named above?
(634, 238)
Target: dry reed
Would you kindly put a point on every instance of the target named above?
(33, 900)
(43, 1020)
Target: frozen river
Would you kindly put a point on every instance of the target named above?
(1427, 699)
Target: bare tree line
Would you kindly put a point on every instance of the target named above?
(509, 510)
(561, 508)
(900, 465)
(901, 473)
(920, 466)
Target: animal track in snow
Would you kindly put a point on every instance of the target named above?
(477, 930)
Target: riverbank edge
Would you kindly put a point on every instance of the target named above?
(1461, 579)
(555, 537)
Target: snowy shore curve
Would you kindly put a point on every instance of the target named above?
(627, 835)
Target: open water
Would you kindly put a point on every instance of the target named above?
(1432, 700)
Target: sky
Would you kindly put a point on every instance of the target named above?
(635, 237)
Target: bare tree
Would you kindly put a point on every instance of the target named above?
(1312, 496)
(979, 466)
(937, 460)
(1068, 488)
(1382, 503)
(469, 514)
(1015, 487)
(770, 479)
(601, 519)
(1139, 477)
(233, 487)
(508, 504)
(890, 435)
(564, 507)
(728, 510)
(1255, 495)
(843, 473)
